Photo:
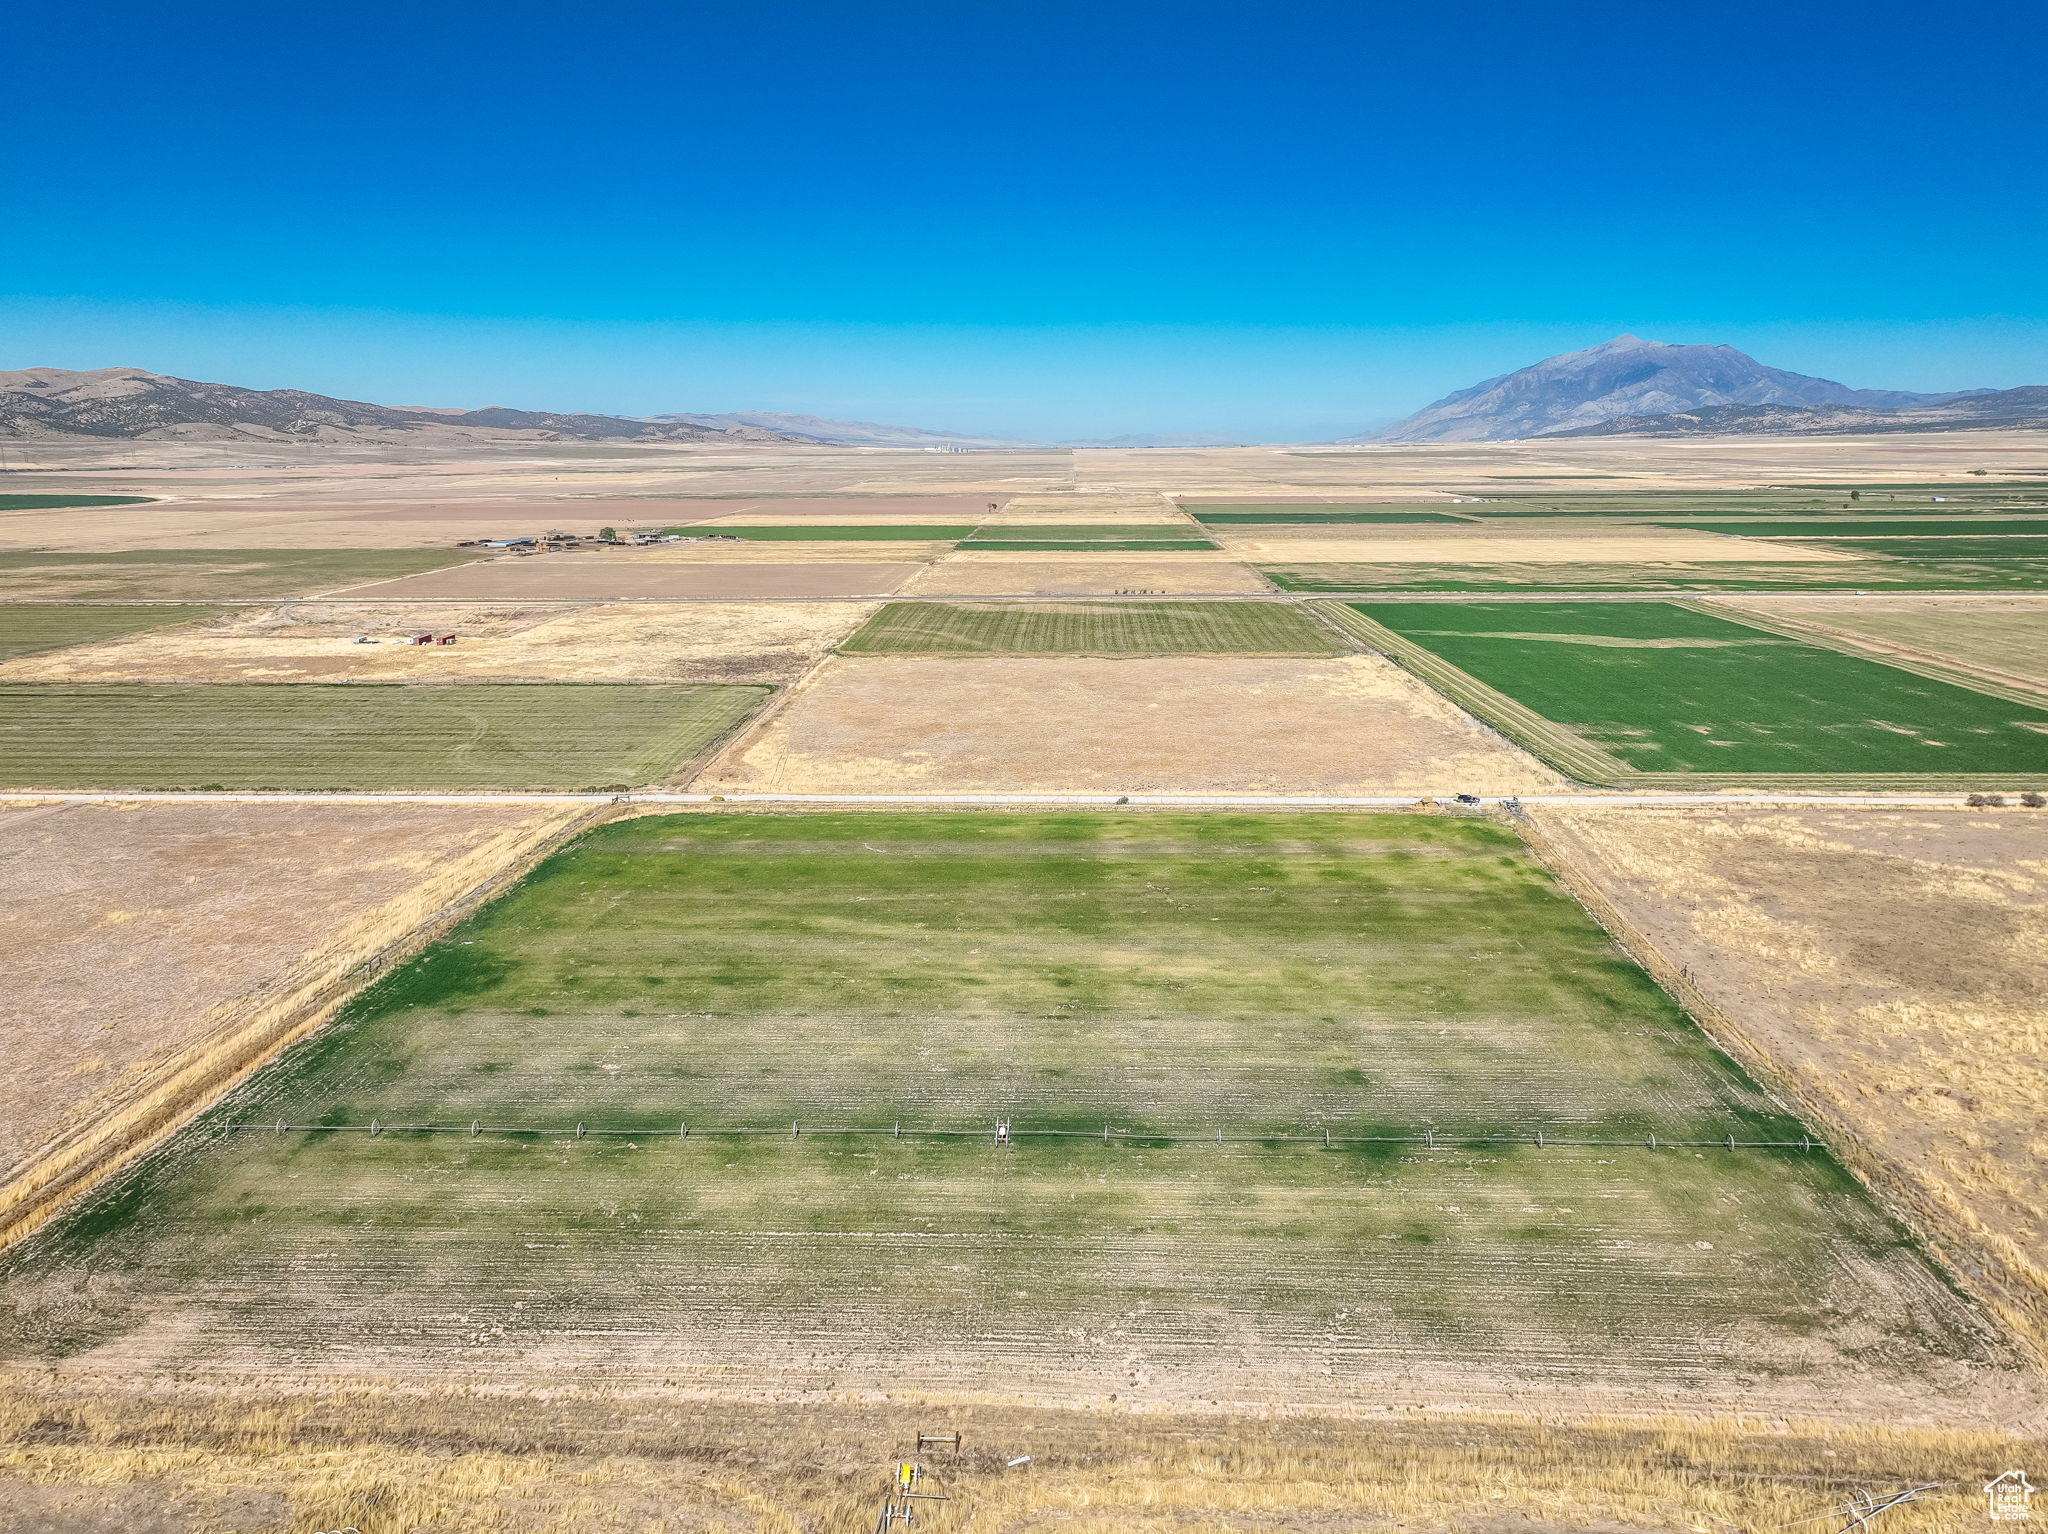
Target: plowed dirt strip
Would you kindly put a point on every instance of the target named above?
(1253, 967)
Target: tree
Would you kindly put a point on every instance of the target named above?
(608, 534)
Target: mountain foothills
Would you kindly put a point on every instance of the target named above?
(823, 429)
(1976, 411)
(1637, 380)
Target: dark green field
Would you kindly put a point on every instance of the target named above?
(1309, 516)
(33, 502)
(864, 532)
(1128, 532)
(1664, 688)
(299, 735)
(1152, 976)
(1092, 628)
(200, 575)
(26, 629)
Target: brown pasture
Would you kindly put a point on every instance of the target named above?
(619, 576)
(1890, 969)
(316, 642)
(1080, 578)
(2001, 637)
(1350, 725)
(154, 950)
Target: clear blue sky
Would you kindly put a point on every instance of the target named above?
(1044, 218)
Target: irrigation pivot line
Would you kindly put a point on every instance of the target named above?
(1004, 1132)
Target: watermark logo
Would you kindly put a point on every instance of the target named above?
(2006, 1498)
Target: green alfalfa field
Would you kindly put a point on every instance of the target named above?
(1195, 999)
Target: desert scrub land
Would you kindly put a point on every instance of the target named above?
(30, 630)
(2006, 637)
(1663, 693)
(1889, 967)
(1093, 628)
(565, 642)
(1348, 724)
(1144, 981)
(200, 575)
(307, 735)
(154, 950)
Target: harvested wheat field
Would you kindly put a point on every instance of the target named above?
(155, 949)
(1891, 969)
(1006, 577)
(2000, 636)
(1350, 725)
(1379, 546)
(685, 642)
(624, 577)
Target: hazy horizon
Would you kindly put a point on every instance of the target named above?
(1049, 223)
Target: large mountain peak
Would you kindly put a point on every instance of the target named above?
(1627, 376)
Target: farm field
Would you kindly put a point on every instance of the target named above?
(65, 502)
(27, 630)
(2032, 550)
(986, 575)
(1842, 527)
(1350, 724)
(1063, 971)
(1871, 571)
(830, 532)
(199, 575)
(603, 577)
(1601, 546)
(1619, 690)
(1093, 532)
(1090, 545)
(1094, 628)
(1888, 967)
(2009, 637)
(316, 642)
(152, 946)
(1313, 515)
(120, 735)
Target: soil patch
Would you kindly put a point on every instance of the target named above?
(981, 576)
(1355, 725)
(621, 576)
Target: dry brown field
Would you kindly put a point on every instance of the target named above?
(154, 949)
(561, 1463)
(1482, 547)
(1891, 970)
(315, 642)
(1350, 725)
(971, 575)
(616, 576)
(2005, 637)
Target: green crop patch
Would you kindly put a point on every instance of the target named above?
(1144, 983)
(1900, 527)
(1312, 516)
(865, 532)
(1092, 628)
(33, 502)
(298, 735)
(1658, 688)
(1092, 545)
(202, 575)
(26, 629)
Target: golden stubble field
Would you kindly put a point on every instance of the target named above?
(154, 950)
(1348, 725)
(1891, 969)
(316, 642)
(2004, 637)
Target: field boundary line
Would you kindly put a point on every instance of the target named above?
(1544, 738)
(1887, 652)
(248, 1031)
(1977, 1266)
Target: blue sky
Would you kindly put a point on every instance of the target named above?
(1047, 219)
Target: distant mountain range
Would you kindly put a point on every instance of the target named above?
(132, 403)
(815, 428)
(1629, 379)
